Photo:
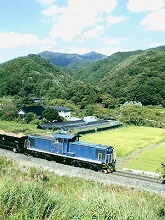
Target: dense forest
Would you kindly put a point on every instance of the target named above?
(32, 76)
(97, 70)
(140, 78)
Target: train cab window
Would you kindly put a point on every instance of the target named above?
(32, 141)
(76, 138)
(109, 151)
(65, 140)
(72, 140)
(58, 140)
(100, 154)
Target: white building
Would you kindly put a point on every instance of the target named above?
(89, 119)
(62, 111)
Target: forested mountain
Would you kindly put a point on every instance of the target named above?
(140, 77)
(93, 56)
(32, 75)
(96, 71)
(65, 59)
(74, 68)
(124, 76)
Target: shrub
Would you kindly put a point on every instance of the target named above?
(162, 172)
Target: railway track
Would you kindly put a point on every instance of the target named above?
(138, 176)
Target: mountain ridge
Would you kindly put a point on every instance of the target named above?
(65, 59)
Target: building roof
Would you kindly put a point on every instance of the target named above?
(34, 109)
(60, 124)
(60, 108)
(65, 136)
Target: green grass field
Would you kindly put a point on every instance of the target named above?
(149, 160)
(129, 140)
(126, 140)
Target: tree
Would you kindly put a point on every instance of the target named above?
(51, 114)
(162, 172)
(8, 113)
(30, 117)
(108, 101)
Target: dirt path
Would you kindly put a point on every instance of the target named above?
(123, 163)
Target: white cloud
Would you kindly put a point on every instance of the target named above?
(45, 2)
(154, 21)
(113, 20)
(78, 15)
(156, 44)
(11, 40)
(78, 50)
(110, 50)
(95, 32)
(146, 5)
(53, 10)
(103, 50)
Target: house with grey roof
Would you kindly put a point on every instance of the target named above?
(62, 111)
(34, 109)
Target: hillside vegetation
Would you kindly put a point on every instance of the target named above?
(139, 78)
(32, 76)
(37, 194)
(97, 70)
(129, 76)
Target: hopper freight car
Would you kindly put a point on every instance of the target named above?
(65, 148)
(12, 141)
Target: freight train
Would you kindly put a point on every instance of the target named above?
(62, 147)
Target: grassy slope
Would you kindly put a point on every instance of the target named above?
(24, 195)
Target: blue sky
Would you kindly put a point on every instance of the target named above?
(79, 26)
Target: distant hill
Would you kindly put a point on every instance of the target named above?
(160, 48)
(32, 75)
(93, 56)
(65, 59)
(140, 77)
(135, 75)
(95, 71)
(74, 68)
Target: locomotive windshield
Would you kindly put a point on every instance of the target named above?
(100, 154)
(76, 138)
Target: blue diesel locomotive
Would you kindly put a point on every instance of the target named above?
(65, 148)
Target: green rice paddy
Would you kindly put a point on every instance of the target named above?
(148, 141)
